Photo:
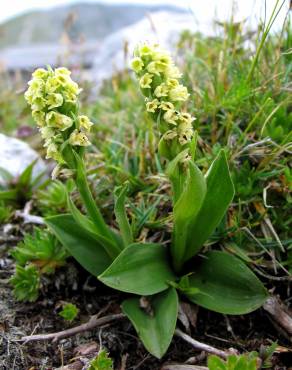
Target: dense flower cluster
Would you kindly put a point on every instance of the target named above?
(53, 97)
(159, 83)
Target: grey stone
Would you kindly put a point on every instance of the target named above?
(16, 155)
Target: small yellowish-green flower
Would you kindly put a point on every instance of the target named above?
(62, 71)
(145, 50)
(170, 135)
(69, 97)
(40, 73)
(161, 90)
(145, 81)
(78, 138)
(54, 100)
(171, 116)
(39, 117)
(36, 86)
(187, 118)
(179, 93)
(161, 56)
(185, 132)
(58, 120)
(156, 67)
(84, 123)
(53, 152)
(38, 103)
(152, 106)
(51, 85)
(173, 72)
(73, 88)
(47, 133)
(28, 95)
(35, 90)
(172, 82)
(137, 64)
(184, 161)
(166, 105)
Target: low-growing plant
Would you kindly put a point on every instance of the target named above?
(5, 212)
(39, 253)
(101, 362)
(19, 190)
(215, 279)
(69, 312)
(248, 361)
(52, 199)
(41, 249)
(26, 283)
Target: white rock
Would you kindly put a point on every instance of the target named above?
(16, 155)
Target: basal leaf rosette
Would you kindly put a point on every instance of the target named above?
(159, 80)
(53, 97)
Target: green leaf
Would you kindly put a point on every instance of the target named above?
(9, 195)
(141, 268)
(186, 209)
(156, 328)
(219, 194)
(81, 244)
(215, 363)
(226, 285)
(26, 283)
(101, 362)
(26, 176)
(85, 223)
(121, 214)
(69, 312)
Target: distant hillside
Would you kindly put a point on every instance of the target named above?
(92, 21)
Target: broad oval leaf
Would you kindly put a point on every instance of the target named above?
(141, 268)
(157, 327)
(226, 285)
(80, 243)
(220, 191)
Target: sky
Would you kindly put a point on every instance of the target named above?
(203, 10)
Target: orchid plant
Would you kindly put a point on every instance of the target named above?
(160, 274)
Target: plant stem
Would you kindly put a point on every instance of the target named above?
(265, 35)
(94, 212)
(90, 204)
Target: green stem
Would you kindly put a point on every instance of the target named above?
(94, 212)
